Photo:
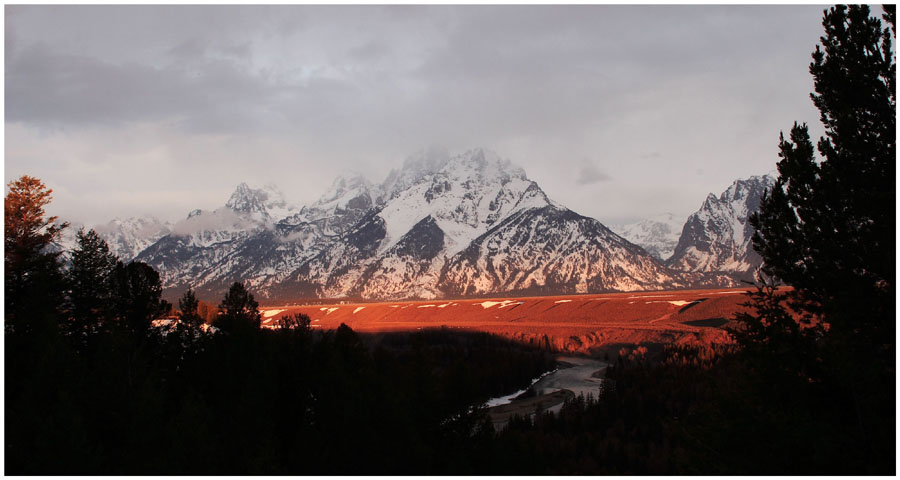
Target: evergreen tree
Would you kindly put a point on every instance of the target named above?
(33, 277)
(188, 307)
(828, 229)
(137, 296)
(89, 280)
(239, 311)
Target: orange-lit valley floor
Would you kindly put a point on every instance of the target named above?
(571, 323)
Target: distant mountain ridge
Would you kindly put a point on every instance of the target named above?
(440, 226)
(469, 224)
(658, 234)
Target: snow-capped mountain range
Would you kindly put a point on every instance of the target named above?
(440, 226)
(125, 237)
(658, 234)
(469, 224)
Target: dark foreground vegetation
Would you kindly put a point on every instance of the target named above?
(697, 412)
(91, 387)
(289, 401)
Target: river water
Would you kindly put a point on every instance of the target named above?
(574, 373)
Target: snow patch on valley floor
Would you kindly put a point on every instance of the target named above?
(271, 313)
(504, 303)
(681, 303)
(357, 309)
(677, 303)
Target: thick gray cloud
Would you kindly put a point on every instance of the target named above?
(161, 109)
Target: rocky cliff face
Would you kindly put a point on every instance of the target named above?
(716, 239)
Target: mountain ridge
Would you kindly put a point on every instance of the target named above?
(471, 224)
(424, 232)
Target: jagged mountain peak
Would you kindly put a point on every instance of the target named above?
(469, 193)
(265, 203)
(742, 187)
(247, 200)
(716, 238)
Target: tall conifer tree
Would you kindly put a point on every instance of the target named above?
(188, 307)
(89, 279)
(828, 229)
(239, 311)
(33, 277)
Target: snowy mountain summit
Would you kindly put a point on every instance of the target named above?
(263, 203)
(717, 238)
(658, 235)
(442, 225)
(127, 238)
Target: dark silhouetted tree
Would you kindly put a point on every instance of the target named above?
(297, 321)
(137, 296)
(239, 311)
(828, 228)
(33, 278)
(89, 280)
(188, 307)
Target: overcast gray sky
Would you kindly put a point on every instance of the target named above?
(618, 112)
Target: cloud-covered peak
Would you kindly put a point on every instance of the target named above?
(266, 203)
(487, 162)
(427, 160)
(417, 165)
(350, 181)
(247, 200)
